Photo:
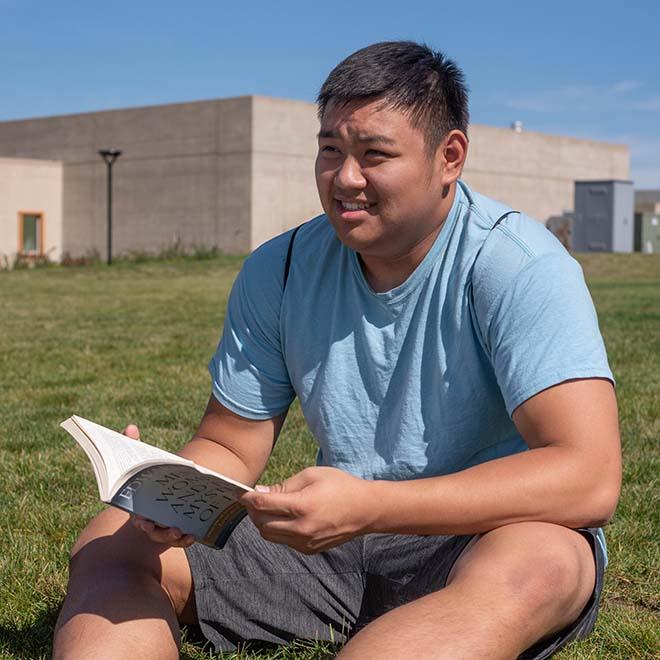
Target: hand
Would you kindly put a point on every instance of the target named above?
(164, 535)
(312, 511)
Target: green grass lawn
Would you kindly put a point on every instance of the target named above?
(130, 344)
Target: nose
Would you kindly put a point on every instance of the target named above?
(349, 175)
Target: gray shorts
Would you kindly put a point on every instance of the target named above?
(256, 590)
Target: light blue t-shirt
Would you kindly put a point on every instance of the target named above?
(420, 380)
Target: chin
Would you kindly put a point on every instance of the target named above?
(355, 236)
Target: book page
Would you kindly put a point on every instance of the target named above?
(93, 454)
(122, 454)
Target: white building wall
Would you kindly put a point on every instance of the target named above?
(30, 186)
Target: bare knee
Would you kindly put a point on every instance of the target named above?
(556, 570)
(110, 546)
(112, 554)
(118, 602)
(535, 567)
(564, 573)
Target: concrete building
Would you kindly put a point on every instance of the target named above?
(234, 172)
(647, 201)
(647, 221)
(30, 209)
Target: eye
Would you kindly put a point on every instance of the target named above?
(375, 153)
(328, 150)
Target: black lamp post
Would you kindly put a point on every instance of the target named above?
(109, 156)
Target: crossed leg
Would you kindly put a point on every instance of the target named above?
(126, 595)
(512, 587)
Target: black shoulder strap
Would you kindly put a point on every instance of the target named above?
(497, 222)
(287, 263)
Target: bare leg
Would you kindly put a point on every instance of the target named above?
(512, 587)
(126, 595)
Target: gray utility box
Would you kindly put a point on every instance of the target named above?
(647, 233)
(603, 216)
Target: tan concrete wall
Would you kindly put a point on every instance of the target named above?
(535, 172)
(283, 153)
(30, 186)
(184, 174)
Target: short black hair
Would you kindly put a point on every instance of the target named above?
(407, 76)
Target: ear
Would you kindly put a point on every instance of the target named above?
(452, 152)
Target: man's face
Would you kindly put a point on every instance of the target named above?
(377, 184)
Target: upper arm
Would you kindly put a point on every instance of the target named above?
(534, 314)
(579, 417)
(540, 331)
(233, 445)
(249, 375)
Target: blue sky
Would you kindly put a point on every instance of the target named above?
(582, 68)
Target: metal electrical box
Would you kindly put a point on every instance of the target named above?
(647, 233)
(603, 216)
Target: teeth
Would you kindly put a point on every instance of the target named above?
(350, 206)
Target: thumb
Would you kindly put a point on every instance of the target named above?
(290, 485)
(294, 483)
(132, 431)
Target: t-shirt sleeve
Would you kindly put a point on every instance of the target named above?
(540, 327)
(248, 372)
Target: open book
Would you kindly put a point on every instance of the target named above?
(168, 489)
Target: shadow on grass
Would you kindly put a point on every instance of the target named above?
(196, 647)
(33, 640)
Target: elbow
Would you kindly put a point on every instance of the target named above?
(600, 504)
(601, 490)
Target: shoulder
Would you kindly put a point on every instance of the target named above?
(314, 241)
(513, 244)
(315, 249)
(267, 262)
(261, 279)
(270, 257)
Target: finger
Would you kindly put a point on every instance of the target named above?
(132, 431)
(299, 481)
(277, 524)
(137, 520)
(295, 541)
(166, 535)
(301, 542)
(284, 538)
(172, 537)
(276, 504)
(185, 541)
(293, 484)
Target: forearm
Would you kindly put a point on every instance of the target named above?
(217, 457)
(233, 445)
(549, 484)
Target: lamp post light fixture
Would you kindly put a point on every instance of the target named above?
(109, 156)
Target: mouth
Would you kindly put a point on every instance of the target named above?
(353, 210)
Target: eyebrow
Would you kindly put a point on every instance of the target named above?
(382, 139)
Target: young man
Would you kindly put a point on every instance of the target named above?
(447, 358)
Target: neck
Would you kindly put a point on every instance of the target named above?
(386, 273)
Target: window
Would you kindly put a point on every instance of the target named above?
(30, 234)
